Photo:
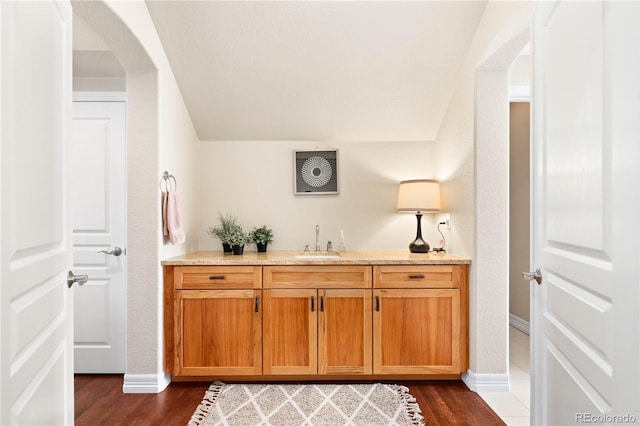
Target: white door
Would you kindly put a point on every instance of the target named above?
(586, 213)
(98, 188)
(36, 306)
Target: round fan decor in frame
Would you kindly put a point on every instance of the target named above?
(315, 172)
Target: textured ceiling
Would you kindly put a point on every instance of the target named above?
(316, 70)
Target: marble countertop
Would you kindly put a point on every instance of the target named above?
(283, 257)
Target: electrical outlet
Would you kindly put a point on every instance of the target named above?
(446, 218)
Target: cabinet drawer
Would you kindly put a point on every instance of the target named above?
(415, 276)
(321, 276)
(217, 277)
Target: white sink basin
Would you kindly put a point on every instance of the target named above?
(318, 255)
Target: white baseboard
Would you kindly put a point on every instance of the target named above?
(519, 323)
(145, 383)
(478, 382)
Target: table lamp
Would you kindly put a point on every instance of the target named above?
(420, 196)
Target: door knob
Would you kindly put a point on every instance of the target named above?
(537, 275)
(80, 279)
(117, 251)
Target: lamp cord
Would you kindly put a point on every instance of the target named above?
(444, 240)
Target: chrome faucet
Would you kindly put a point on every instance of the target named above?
(317, 237)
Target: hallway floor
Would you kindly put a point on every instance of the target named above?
(513, 407)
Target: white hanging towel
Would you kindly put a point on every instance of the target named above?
(173, 222)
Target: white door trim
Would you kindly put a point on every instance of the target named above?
(519, 93)
(99, 96)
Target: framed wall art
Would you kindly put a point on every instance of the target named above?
(315, 172)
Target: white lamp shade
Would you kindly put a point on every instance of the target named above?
(419, 195)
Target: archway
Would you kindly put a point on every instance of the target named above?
(144, 307)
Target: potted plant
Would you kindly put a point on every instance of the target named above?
(237, 238)
(261, 236)
(224, 230)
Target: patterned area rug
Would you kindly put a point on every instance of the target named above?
(307, 404)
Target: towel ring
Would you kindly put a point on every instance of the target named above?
(165, 182)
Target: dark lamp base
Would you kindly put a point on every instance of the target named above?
(419, 246)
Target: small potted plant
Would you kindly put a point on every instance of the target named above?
(224, 230)
(261, 236)
(237, 238)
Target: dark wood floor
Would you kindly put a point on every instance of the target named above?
(99, 401)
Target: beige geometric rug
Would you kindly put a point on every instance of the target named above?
(307, 404)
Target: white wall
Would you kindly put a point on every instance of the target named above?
(472, 152)
(176, 151)
(99, 84)
(160, 137)
(520, 71)
(253, 180)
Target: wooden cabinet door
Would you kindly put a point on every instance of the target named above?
(290, 331)
(344, 335)
(218, 332)
(416, 331)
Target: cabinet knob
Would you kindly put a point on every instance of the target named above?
(416, 277)
(217, 277)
